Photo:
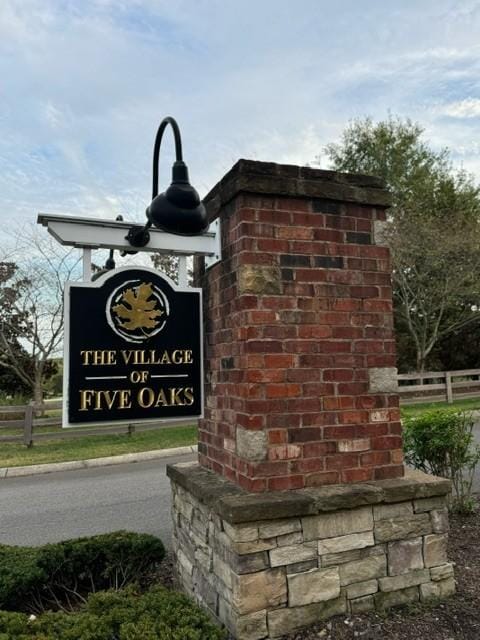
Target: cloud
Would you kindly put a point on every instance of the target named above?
(82, 93)
(467, 108)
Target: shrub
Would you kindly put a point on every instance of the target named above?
(442, 442)
(59, 576)
(158, 614)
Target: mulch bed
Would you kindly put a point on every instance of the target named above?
(457, 618)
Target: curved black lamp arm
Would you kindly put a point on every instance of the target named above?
(156, 149)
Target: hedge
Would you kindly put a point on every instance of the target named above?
(60, 576)
(158, 614)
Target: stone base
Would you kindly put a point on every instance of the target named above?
(269, 564)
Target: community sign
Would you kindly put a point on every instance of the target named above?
(133, 349)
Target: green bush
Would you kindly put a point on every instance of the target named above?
(60, 576)
(442, 442)
(158, 614)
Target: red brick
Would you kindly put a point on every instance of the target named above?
(282, 483)
(392, 471)
(255, 485)
(387, 442)
(279, 361)
(356, 475)
(374, 458)
(396, 456)
(352, 417)
(341, 461)
(318, 449)
(277, 436)
(319, 479)
(304, 434)
(266, 375)
(283, 390)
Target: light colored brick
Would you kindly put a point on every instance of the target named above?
(259, 279)
(339, 523)
(362, 605)
(252, 626)
(383, 380)
(254, 547)
(380, 415)
(402, 528)
(282, 621)
(395, 583)
(296, 553)
(380, 232)
(363, 570)
(441, 589)
(435, 550)
(272, 528)
(331, 559)
(405, 556)
(387, 511)
(428, 504)
(359, 589)
(385, 600)
(358, 444)
(442, 572)
(257, 591)
(346, 543)
(240, 533)
(439, 520)
(290, 539)
(222, 571)
(316, 585)
(251, 445)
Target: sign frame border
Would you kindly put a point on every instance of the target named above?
(96, 284)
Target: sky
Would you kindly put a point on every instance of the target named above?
(85, 83)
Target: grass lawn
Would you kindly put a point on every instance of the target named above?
(469, 404)
(15, 455)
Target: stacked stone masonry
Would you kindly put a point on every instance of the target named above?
(264, 578)
(300, 354)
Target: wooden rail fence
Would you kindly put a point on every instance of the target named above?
(28, 423)
(439, 385)
(26, 426)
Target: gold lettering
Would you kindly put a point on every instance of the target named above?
(175, 396)
(98, 357)
(188, 392)
(165, 358)
(86, 399)
(147, 402)
(161, 399)
(125, 401)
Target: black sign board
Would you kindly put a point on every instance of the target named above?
(133, 349)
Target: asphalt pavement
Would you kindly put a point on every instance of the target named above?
(48, 508)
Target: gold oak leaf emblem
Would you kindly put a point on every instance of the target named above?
(136, 310)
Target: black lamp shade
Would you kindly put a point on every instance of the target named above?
(179, 209)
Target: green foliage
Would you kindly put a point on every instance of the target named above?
(158, 614)
(442, 442)
(433, 232)
(59, 576)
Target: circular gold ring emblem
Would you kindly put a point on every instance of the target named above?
(137, 310)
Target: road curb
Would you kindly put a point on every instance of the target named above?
(141, 456)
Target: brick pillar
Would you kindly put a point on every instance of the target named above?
(301, 385)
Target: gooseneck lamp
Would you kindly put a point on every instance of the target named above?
(177, 210)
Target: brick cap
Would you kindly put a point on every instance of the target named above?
(269, 178)
(235, 505)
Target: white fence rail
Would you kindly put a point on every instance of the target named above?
(439, 385)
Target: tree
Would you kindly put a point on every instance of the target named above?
(32, 281)
(433, 229)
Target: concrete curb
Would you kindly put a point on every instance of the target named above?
(141, 456)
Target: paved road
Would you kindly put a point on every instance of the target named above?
(52, 507)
